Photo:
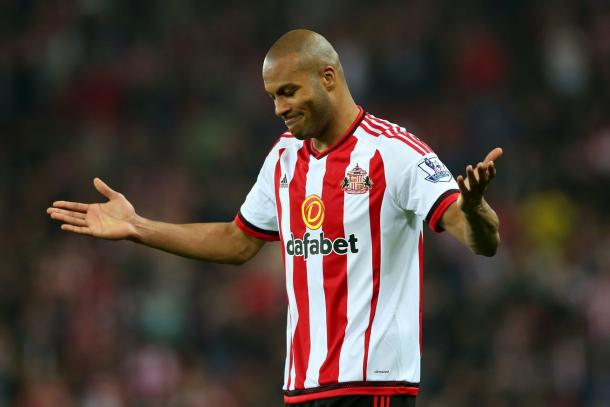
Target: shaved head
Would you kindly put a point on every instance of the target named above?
(312, 51)
(303, 75)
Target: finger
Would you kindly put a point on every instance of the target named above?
(79, 215)
(68, 219)
(481, 173)
(488, 172)
(494, 154)
(76, 229)
(472, 179)
(492, 170)
(462, 185)
(73, 206)
(104, 189)
(475, 183)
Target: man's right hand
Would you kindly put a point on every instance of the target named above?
(116, 219)
(111, 220)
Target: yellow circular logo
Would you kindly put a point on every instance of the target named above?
(312, 211)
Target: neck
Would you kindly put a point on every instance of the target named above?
(337, 127)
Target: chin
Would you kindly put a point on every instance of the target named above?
(299, 134)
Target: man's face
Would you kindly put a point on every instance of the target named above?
(298, 94)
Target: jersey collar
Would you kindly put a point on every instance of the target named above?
(319, 154)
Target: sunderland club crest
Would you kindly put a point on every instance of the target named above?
(356, 181)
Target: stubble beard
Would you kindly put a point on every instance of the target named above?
(320, 115)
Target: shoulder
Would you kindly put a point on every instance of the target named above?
(393, 141)
(285, 140)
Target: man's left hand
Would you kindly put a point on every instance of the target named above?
(472, 187)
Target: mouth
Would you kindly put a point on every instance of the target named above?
(292, 120)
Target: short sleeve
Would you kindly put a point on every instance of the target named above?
(258, 215)
(427, 188)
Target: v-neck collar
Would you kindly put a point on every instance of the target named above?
(320, 154)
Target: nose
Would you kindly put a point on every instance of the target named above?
(281, 107)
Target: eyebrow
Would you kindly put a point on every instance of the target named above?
(282, 89)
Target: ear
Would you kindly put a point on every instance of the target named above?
(329, 77)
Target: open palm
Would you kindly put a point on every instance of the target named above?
(473, 185)
(109, 220)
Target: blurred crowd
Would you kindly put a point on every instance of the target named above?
(164, 101)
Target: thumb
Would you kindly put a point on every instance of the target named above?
(494, 155)
(104, 189)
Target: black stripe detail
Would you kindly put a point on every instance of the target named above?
(344, 385)
(270, 233)
(438, 202)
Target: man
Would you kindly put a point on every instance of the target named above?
(346, 194)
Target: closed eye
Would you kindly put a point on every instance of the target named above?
(286, 90)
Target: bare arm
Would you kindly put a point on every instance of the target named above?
(470, 219)
(117, 219)
(216, 242)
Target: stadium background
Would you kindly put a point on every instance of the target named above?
(164, 101)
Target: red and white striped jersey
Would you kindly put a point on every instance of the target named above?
(350, 223)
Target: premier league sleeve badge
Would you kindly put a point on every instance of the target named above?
(435, 170)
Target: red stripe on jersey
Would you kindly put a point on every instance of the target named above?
(412, 137)
(367, 128)
(441, 207)
(335, 265)
(370, 127)
(419, 142)
(405, 133)
(375, 401)
(392, 133)
(420, 250)
(382, 402)
(369, 119)
(375, 129)
(301, 338)
(278, 205)
(377, 175)
(352, 391)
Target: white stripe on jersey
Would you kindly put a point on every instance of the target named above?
(287, 366)
(315, 282)
(359, 285)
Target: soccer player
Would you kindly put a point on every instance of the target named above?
(346, 194)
